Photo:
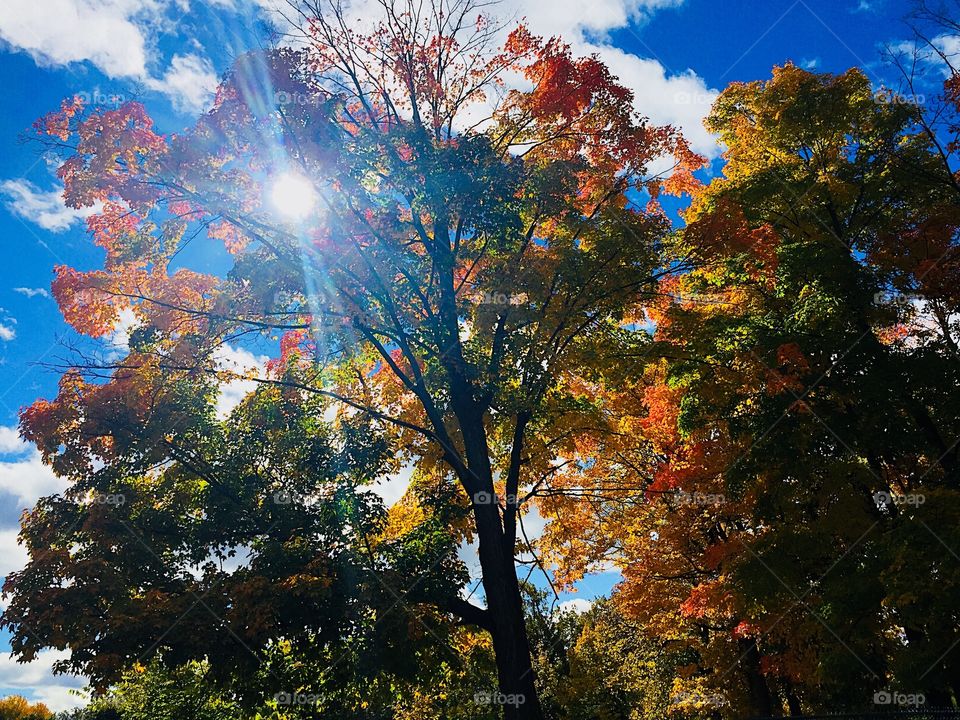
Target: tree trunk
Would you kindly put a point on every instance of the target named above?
(511, 646)
(518, 694)
(761, 704)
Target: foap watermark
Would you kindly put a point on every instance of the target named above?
(900, 699)
(681, 297)
(116, 499)
(502, 298)
(704, 698)
(282, 97)
(892, 97)
(102, 99)
(698, 498)
(885, 499)
(291, 497)
(694, 98)
(487, 498)
(296, 699)
(891, 297)
(486, 697)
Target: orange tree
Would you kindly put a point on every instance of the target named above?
(457, 267)
(15, 707)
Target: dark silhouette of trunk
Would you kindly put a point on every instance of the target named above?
(505, 618)
(757, 688)
(793, 702)
(504, 615)
(507, 624)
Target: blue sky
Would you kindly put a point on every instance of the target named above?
(168, 53)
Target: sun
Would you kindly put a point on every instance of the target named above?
(293, 195)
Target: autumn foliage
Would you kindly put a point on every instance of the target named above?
(752, 416)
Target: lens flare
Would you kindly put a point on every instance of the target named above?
(293, 196)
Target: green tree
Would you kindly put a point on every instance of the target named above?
(156, 693)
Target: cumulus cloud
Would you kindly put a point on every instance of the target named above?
(13, 555)
(949, 45)
(118, 37)
(668, 97)
(107, 33)
(930, 55)
(36, 681)
(572, 18)
(7, 332)
(118, 342)
(41, 207)
(189, 82)
(26, 478)
(577, 605)
(10, 442)
(677, 97)
(22, 472)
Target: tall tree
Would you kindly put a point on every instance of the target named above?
(474, 257)
(807, 371)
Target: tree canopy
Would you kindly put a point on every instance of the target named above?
(752, 415)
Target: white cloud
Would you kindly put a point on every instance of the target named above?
(943, 46)
(23, 474)
(28, 479)
(59, 697)
(578, 605)
(13, 555)
(239, 361)
(533, 522)
(189, 82)
(667, 97)
(41, 207)
(393, 487)
(677, 97)
(10, 442)
(59, 32)
(573, 18)
(119, 340)
(7, 333)
(32, 292)
(36, 681)
(949, 45)
(116, 36)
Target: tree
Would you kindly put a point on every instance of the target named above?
(154, 692)
(798, 423)
(17, 707)
(617, 670)
(134, 560)
(472, 266)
